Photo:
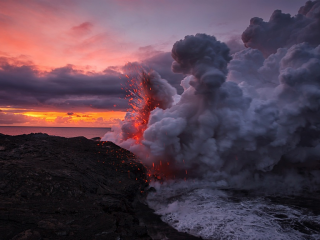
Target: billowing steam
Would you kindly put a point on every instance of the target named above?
(282, 30)
(246, 121)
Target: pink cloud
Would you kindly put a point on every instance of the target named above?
(54, 35)
(82, 29)
(18, 119)
(61, 120)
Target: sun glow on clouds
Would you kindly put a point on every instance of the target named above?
(97, 34)
(23, 117)
(59, 55)
(52, 36)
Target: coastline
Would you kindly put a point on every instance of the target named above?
(74, 188)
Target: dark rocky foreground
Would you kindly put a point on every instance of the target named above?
(74, 188)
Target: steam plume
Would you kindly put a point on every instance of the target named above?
(282, 30)
(247, 122)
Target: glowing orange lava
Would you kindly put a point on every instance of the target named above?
(141, 93)
(141, 100)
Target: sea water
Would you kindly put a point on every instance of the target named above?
(202, 209)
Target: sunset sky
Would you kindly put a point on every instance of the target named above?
(62, 62)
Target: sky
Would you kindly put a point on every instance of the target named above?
(64, 62)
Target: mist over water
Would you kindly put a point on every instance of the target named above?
(250, 121)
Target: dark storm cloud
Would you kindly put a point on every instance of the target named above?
(282, 30)
(21, 84)
(24, 85)
(96, 103)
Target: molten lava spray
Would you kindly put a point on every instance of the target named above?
(250, 121)
(145, 92)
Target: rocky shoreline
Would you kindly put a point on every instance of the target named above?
(74, 188)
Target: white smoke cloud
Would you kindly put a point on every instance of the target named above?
(249, 122)
(282, 30)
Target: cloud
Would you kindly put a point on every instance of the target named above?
(82, 29)
(147, 52)
(56, 34)
(16, 119)
(204, 57)
(255, 127)
(61, 120)
(70, 113)
(282, 30)
(161, 63)
(235, 44)
(25, 85)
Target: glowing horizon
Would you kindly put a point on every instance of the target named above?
(62, 119)
(64, 56)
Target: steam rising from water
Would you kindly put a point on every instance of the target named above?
(250, 121)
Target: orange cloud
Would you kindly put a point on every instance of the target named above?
(19, 117)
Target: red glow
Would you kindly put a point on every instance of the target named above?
(141, 93)
(141, 100)
(161, 172)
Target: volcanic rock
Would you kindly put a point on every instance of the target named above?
(74, 188)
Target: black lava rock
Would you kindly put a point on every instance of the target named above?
(73, 188)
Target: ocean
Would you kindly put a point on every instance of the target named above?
(201, 209)
(56, 131)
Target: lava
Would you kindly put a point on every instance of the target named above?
(141, 101)
(144, 94)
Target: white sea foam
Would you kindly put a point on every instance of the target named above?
(202, 209)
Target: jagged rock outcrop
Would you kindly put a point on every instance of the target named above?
(74, 188)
